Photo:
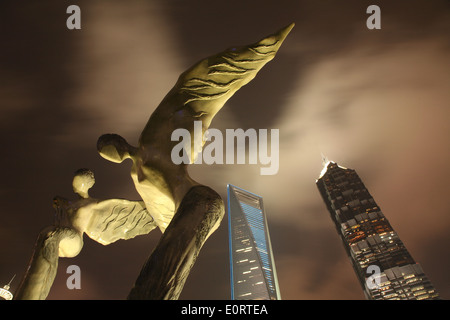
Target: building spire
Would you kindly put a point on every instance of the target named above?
(324, 159)
(5, 294)
(9, 283)
(325, 163)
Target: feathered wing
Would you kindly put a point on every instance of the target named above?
(210, 83)
(116, 219)
(202, 90)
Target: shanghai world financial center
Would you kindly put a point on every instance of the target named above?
(253, 273)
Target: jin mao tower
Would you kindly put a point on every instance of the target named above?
(382, 263)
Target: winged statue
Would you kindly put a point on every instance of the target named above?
(104, 221)
(185, 211)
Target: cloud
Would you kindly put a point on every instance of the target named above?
(123, 67)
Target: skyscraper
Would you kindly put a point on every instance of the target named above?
(381, 261)
(253, 274)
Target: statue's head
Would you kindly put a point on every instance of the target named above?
(83, 180)
(114, 148)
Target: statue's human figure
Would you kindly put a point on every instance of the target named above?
(104, 221)
(184, 210)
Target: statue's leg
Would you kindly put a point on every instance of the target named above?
(166, 270)
(43, 265)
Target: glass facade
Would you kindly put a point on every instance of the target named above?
(381, 261)
(253, 274)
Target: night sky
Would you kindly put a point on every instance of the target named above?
(376, 101)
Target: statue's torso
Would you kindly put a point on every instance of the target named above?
(154, 190)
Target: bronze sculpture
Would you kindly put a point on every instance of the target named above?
(185, 211)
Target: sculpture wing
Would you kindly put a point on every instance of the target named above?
(116, 219)
(202, 90)
(211, 82)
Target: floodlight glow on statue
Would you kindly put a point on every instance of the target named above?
(185, 211)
